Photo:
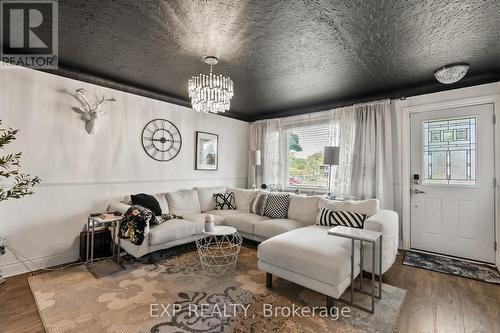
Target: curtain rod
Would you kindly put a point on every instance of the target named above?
(374, 102)
(318, 114)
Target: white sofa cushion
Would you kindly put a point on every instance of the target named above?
(171, 230)
(242, 197)
(369, 207)
(183, 202)
(303, 208)
(118, 207)
(127, 199)
(199, 220)
(244, 222)
(206, 196)
(225, 212)
(385, 221)
(311, 252)
(270, 228)
(162, 200)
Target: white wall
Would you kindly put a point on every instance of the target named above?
(82, 173)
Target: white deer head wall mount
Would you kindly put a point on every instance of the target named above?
(90, 111)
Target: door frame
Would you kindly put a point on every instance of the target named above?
(438, 101)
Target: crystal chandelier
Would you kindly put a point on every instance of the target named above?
(451, 73)
(210, 93)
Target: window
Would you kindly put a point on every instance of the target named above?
(450, 151)
(305, 155)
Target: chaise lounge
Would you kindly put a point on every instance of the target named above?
(310, 257)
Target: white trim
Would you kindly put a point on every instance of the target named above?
(452, 104)
(477, 95)
(30, 265)
(134, 181)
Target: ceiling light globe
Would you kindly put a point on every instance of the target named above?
(450, 74)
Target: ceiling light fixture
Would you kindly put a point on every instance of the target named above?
(210, 93)
(451, 73)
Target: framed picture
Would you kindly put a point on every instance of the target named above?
(207, 151)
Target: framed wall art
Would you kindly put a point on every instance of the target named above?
(207, 151)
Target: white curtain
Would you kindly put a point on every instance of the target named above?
(271, 137)
(275, 154)
(342, 134)
(372, 172)
(397, 165)
(256, 143)
(363, 132)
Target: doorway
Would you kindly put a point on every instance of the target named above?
(452, 173)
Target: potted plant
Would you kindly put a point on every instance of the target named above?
(13, 183)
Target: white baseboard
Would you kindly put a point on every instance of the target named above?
(31, 265)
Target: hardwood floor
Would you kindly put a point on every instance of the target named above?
(437, 302)
(18, 311)
(434, 302)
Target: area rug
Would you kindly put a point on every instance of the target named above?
(452, 266)
(174, 295)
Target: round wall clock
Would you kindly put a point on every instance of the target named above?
(161, 140)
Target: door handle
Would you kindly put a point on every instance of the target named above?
(417, 191)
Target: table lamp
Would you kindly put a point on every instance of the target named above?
(330, 158)
(255, 161)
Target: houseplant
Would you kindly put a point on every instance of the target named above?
(13, 183)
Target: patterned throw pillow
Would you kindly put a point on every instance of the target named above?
(277, 206)
(329, 217)
(224, 201)
(258, 204)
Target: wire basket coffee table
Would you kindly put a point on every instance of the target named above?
(219, 250)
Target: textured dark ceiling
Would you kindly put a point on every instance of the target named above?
(285, 57)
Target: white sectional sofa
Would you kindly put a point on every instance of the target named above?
(299, 227)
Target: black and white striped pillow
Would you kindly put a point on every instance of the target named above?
(329, 217)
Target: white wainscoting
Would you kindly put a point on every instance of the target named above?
(82, 173)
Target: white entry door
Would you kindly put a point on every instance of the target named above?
(452, 176)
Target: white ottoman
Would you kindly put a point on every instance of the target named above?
(311, 258)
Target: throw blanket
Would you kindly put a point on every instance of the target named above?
(166, 217)
(134, 222)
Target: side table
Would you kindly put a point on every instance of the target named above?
(219, 250)
(362, 235)
(105, 266)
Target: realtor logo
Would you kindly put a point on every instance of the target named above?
(29, 35)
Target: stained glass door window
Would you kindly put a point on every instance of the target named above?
(450, 151)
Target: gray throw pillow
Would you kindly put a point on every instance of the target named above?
(258, 204)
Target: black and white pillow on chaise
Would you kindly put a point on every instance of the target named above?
(224, 201)
(329, 217)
